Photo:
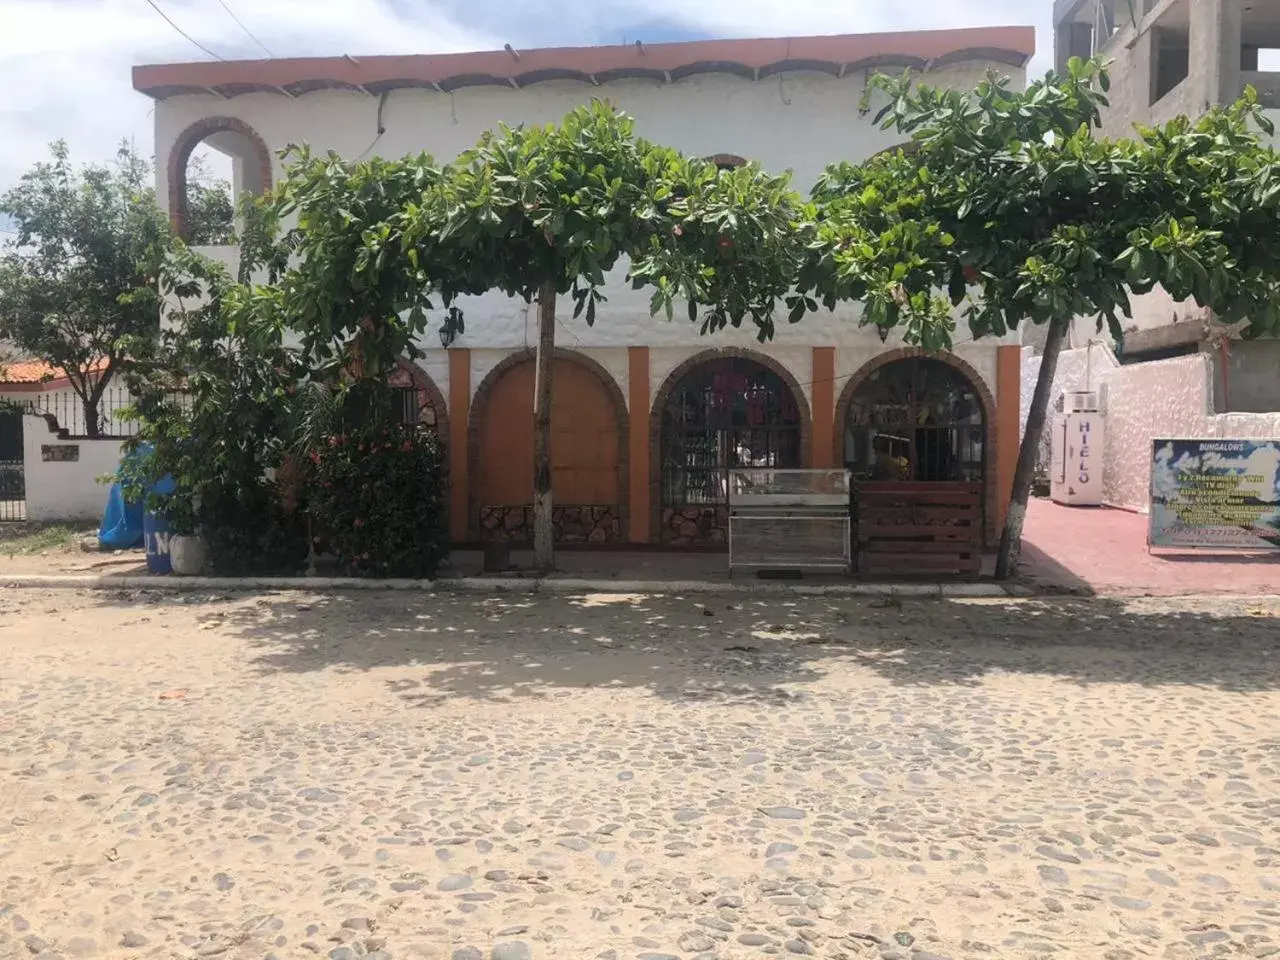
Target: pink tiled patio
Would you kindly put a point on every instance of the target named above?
(1101, 550)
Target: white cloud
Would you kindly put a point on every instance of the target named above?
(66, 63)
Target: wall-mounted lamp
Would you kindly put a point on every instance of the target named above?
(882, 331)
(447, 336)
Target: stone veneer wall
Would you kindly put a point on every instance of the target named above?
(1163, 399)
(682, 526)
(571, 523)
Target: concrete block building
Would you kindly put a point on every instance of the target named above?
(1171, 58)
(648, 416)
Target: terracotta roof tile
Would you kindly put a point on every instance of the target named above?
(33, 371)
(753, 59)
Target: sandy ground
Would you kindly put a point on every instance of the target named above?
(473, 778)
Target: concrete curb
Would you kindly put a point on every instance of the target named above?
(504, 585)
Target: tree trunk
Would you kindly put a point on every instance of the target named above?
(1024, 475)
(91, 399)
(543, 534)
(92, 423)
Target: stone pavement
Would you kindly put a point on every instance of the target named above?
(636, 778)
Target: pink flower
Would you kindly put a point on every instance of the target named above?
(359, 522)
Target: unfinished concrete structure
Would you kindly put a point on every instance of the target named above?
(1170, 58)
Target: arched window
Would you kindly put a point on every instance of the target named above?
(724, 414)
(417, 399)
(212, 163)
(917, 419)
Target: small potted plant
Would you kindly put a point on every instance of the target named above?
(186, 547)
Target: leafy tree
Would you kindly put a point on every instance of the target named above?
(1009, 203)
(80, 275)
(540, 212)
(210, 211)
(214, 395)
(536, 213)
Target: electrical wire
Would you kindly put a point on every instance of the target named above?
(248, 32)
(156, 8)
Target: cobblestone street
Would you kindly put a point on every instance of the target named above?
(640, 778)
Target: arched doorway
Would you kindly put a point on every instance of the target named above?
(588, 452)
(718, 412)
(916, 419)
(913, 433)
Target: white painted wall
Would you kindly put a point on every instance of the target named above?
(1086, 368)
(1164, 399)
(800, 122)
(59, 490)
(1143, 402)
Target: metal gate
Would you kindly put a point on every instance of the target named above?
(13, 483)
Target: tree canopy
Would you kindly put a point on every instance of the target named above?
(80, 274)
(211, 208)
(1009, 203)
(534, 212)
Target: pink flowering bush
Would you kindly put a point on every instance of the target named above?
(380, 496)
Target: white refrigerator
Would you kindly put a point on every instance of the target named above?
(1075, 463)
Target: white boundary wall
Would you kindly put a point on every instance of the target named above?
(1165, 398)
(1143, 402)
(65, 489)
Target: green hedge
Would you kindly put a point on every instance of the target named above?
(380, 498)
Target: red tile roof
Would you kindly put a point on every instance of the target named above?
(753, 59)
(33, 371)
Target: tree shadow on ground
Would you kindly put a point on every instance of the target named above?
(698, 648)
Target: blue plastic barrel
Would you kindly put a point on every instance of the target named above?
(155, 535)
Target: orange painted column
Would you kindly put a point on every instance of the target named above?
(1008, 421)
(638, 471)
(822, 455)
(459, 433)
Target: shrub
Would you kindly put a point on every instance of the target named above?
(248, 531)
(379, 497)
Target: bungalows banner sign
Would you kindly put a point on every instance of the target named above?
(1222, 494)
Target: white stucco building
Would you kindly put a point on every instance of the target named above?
(641, 457)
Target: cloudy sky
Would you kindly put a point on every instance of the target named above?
(66, 62)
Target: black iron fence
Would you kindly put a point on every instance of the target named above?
(13, 491)
(68, 409)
